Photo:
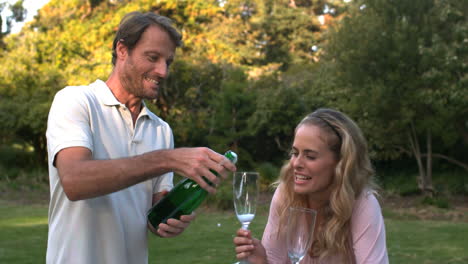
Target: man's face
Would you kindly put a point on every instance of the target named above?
(147, 64)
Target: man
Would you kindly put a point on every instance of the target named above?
(110, 158)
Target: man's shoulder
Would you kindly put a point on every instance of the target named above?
(83, 92)
(154, 117)
(75, 90)
(158, 120)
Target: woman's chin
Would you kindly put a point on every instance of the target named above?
(301, 189)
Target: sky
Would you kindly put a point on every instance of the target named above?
(32, 6)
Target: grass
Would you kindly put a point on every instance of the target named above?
(23, 233)
(426, 242)
(23, 236)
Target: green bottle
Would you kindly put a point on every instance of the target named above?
(185, 197)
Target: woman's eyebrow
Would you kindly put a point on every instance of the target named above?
(310, 151)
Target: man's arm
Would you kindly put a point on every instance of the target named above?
(84, 178)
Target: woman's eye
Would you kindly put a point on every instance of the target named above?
(310, 157)
(292, 154)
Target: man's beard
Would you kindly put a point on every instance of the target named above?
(130, 82)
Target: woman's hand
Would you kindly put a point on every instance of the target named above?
(248, 248)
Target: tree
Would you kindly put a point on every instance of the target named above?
(403, 65)
(227, 48)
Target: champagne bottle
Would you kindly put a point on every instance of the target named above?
(185, 197)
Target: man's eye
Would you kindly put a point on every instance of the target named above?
(152, 58)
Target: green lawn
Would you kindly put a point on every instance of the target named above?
(23, 234)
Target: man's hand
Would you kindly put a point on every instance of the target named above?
(199, 164)
(173, 227)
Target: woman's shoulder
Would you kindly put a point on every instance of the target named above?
(367, 204)
(278, 194)
(368, 196)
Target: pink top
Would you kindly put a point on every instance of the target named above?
(367, 228)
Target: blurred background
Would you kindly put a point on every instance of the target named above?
(248, 72)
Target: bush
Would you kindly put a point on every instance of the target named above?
(222, 200)
(269, 173)
(440, 202)
(14, 157)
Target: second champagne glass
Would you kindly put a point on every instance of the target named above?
(245, 193)
(300, 232)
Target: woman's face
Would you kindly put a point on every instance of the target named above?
(313, 162)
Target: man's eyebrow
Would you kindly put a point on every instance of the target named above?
(155, 52)
(151, 52)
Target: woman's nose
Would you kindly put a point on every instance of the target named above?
(296, 162)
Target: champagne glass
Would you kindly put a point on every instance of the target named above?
(300, 232)
(245, 192)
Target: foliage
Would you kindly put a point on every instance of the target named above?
(402, 63)
(439, 202)
(405, 66)
(268, 174)
(396, 179)
(249, 70)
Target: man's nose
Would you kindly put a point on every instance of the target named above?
(161, 69)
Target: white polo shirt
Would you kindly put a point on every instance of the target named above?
(111, 228)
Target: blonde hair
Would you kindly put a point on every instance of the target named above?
(353, 174)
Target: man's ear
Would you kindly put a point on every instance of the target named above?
(121, 51)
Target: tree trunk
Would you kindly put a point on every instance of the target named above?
(428, 188)
(417, 155)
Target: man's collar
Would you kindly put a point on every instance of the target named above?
(107, 98)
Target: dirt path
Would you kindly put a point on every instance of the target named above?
(411, 207)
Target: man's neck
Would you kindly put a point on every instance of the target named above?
(133, 103)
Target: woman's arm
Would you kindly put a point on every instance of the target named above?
(274, 244)
(368, 230)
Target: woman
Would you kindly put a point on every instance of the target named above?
(329, 171)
